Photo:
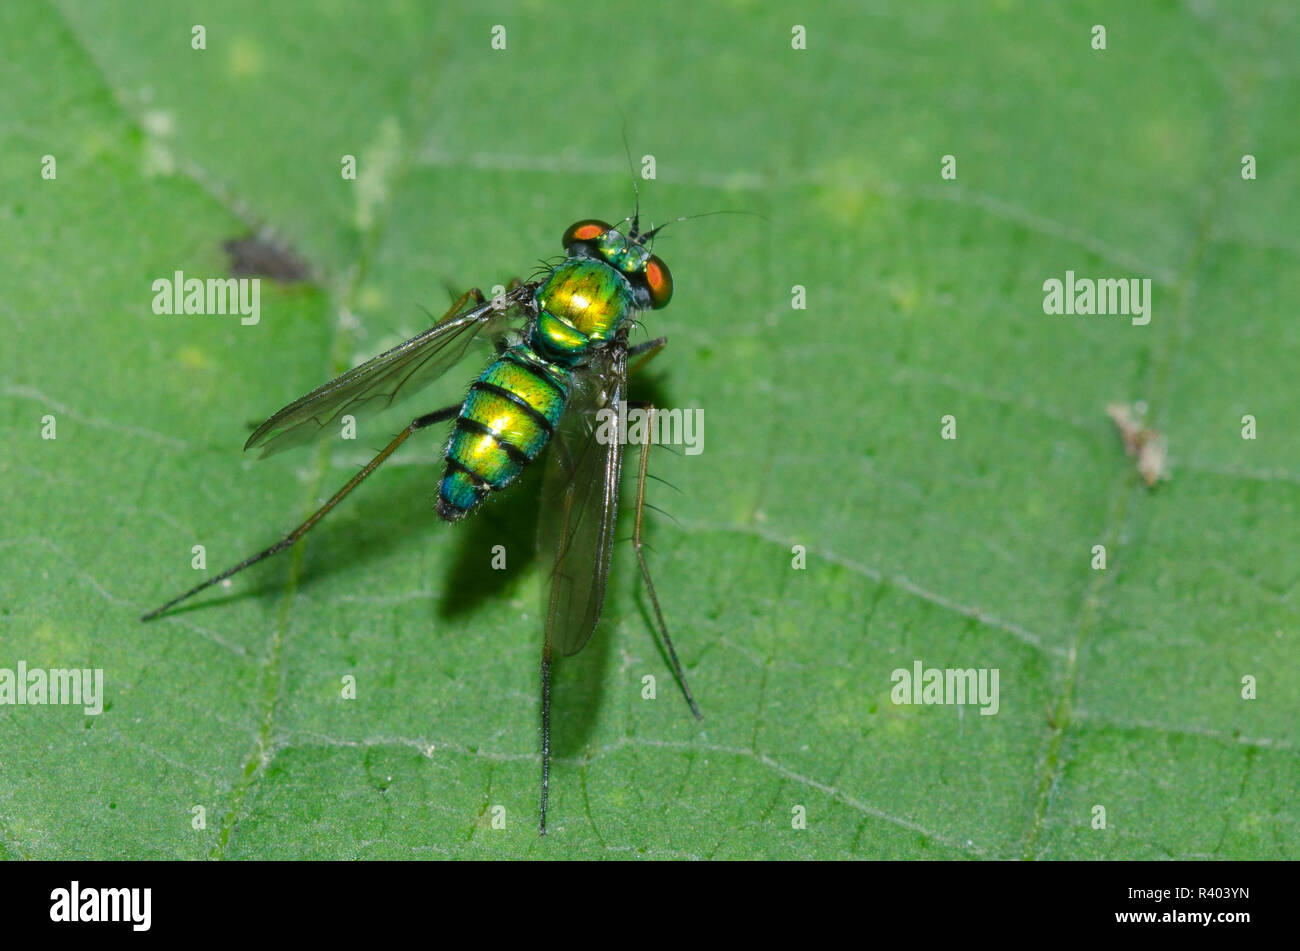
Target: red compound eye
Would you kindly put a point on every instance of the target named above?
(660, 281)
(586, 230)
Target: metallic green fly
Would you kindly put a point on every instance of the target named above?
(562, 358)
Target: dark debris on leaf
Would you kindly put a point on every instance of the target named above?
(261, 256)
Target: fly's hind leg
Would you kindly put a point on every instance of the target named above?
(420, 422)
(637, 544)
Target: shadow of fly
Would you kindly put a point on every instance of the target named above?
(562, 358)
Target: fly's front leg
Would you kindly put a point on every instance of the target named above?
(637, 544)
(645, 352)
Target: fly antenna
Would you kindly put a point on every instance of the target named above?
(651, 233)
(636, 191)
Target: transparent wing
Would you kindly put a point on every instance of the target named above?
(580, 503)
(379, 383)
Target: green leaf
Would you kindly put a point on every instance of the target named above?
(1120, 688)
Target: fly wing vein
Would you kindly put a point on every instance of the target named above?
(380, 382)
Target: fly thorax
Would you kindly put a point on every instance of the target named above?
(582, 302)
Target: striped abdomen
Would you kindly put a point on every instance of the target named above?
(504, 424)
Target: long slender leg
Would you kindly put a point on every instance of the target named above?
(421, 422)
(650, 348)
(546, 728)
(459, 300)
(457, 304)
(642, 471)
